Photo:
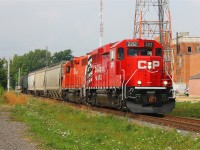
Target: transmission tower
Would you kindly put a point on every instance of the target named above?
(153, 21)
(101, 21)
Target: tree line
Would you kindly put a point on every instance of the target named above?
(30, 62)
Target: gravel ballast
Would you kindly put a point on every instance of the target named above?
(12, 134)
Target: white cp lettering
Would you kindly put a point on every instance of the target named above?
(142, 64)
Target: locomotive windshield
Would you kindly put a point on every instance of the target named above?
(132, 51)
(139, 52)
(146, 52)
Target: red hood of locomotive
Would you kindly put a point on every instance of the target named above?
(137, 67)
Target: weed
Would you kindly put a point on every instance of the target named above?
(12, 98)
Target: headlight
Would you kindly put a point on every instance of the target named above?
(165, 82)
(149, 66)
(139, 82)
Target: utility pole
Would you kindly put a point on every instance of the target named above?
(8, 75)
(19, 78)
(46, 56)
(101, 21)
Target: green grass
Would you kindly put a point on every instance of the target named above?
(58, 126)
(187, 109)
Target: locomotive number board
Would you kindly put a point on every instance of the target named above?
(148, 44)
(131, 44)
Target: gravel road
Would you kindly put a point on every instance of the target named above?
(12, 134)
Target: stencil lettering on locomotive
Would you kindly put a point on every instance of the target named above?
(99, 70)
(142, 64)
(75, 71)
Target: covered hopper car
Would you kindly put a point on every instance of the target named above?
(128, 74)
(46, 82)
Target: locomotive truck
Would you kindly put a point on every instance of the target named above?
(129, 74)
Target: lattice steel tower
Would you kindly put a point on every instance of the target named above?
(153, 21)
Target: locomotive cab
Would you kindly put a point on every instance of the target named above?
(146, 87)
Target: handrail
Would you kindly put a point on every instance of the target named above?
(123, 83)
(128, 81)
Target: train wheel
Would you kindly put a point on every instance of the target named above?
(94, 100)
(65, 96)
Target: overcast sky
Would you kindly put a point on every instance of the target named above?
(74, 24)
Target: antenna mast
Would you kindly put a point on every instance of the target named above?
(101, 21)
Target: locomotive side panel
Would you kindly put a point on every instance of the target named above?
(79, 72)
(103, 83)
(66, 81)
(74, 79)
(74, 73)
(103, 69)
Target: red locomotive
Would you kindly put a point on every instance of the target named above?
(127, 74)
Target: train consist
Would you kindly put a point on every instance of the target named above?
(128, 74)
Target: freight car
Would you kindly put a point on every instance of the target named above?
(24, 83)
(128, 74)
(46, 82)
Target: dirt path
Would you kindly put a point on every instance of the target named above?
(12, 134)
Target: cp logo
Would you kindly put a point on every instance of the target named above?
(142, 64)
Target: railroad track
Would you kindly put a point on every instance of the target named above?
(183, 123)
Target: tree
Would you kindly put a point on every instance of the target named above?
(37, 59)
(61, 56)
(3, 73)
(27, 63)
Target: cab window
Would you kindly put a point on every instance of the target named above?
(120, 53)
(132, 52)
(68, 69)
(146, 52)
(159, 52)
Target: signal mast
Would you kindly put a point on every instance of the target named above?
(153, 21)
(101, 21)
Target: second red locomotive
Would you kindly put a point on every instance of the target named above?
(127, 74)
